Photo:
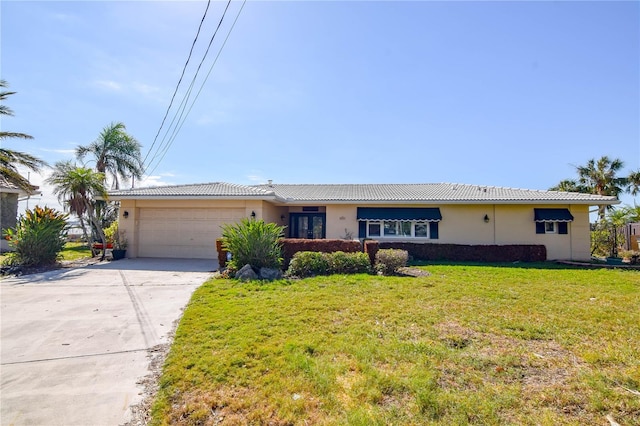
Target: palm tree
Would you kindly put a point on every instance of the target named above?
(78, 188)
(116, 153)
(633, 183)
(599, 177)
(10, 159)
(567, 185)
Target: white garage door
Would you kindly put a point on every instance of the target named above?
(183, 233)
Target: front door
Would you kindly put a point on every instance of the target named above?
(307, 225)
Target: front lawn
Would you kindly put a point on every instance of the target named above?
(71, 251)
(484, 345)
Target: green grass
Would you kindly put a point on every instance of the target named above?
(71, 251)
(486, 345)
(75, 251)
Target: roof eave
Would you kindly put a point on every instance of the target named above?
(445, 202)
(191, 197)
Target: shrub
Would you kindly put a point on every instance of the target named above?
(348, 263)
(389, 260)
(310, 263)
(471, 253)
(38, 238)
(253, 242)
(291, 246)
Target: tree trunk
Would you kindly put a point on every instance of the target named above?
(86, 235)
(98, 227)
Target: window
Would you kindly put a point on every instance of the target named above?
(398, 222)
(422, 230)
(401, 229)
(550, 227)
(552, 221)
(373, 229)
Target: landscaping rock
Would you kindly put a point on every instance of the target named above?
(270, 274)
(246, 273)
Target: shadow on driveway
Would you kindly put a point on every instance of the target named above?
(151, 264)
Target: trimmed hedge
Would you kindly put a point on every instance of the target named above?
(421, 251)
(311, 263)
(371, 247)
(291, 246)
(469, 253)
(222, 253)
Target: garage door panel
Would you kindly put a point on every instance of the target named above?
(183, 233)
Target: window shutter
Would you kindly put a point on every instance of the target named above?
(362, 229)
(433, 230)
(539, 227)
(563, 228)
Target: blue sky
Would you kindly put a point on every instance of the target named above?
(491, 93)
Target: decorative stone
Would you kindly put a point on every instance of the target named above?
(270, 274)
(246, 273)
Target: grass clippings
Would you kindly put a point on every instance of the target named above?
(491, 345)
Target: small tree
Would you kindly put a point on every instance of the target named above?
(38, 238)
(607, 236)
(253, 242)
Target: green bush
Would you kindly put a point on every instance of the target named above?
(253, 242)
(310, 263)
(349, 263)
(389, 260)
(38, 238)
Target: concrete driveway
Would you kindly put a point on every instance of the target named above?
(75, 342)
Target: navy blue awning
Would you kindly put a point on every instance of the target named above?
(552, 215)
(431, 214)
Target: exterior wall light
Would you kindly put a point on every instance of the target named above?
(486, 218)
(125, 214)
(253, 215)
(282, 217)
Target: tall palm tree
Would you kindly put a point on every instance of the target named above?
(633, 183)
(600, 177)
(116, 153)
(10, 159)
(78, 188)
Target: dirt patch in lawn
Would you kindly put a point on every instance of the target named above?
(542, 370)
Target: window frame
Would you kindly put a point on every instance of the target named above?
(554, 227)
(398, 227)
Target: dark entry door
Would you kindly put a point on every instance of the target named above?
(308, 225)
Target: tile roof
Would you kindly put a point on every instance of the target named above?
(376, 193)
(8, 186)
(428, 192)
(214, 189)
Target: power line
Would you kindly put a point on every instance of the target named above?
(181, 118)
(186, 97)
(184, 69)
(202, 85)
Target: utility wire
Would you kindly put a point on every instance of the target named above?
(205, 79)
(184, 69)
(188, 93)
(181, 109)
(183, 116)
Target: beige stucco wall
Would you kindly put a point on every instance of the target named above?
(339, 218)
(129, 224)
(461, 224)
(508, 224)
(273, 214)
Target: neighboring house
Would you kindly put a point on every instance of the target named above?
(184, 220)
(632, 236)
(10, 194)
